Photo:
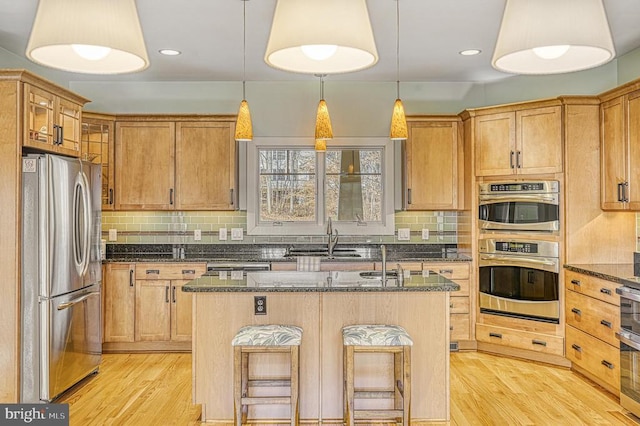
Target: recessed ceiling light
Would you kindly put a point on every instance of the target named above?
(169, 52)
(470, 52)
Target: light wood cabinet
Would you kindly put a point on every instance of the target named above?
(119, 295)
(175, 165)
(592, 311)
(434, 165)
(520, 339)
(523, 141)
(98, 146)
(52, 121)
(620, 147)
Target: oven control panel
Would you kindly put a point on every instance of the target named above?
(535, 187)
(516, 247)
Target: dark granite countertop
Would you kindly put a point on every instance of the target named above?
(620, 273)
(334, 281)
(275, 253)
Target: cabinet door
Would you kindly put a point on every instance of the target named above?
(495, 144)
(119, 302)
(539, 140)
(68, 118)
(181, 309)
(145, 166)
(613, 153)
(153, 310)
(633, 153)
(98, 147)
(205, 166)
(40, 111)
(433, 172)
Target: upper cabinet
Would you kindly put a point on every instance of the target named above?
(521, 141)
(98, 146)
(52, 121)
(620, 143)
(434, 164)
(175, 165)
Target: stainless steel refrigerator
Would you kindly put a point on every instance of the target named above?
(61, 274)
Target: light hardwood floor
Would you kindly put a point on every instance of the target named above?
(155, 389)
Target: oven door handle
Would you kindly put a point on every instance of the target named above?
(519, 260)
(627, 293)
(626, 338)
(488, 199)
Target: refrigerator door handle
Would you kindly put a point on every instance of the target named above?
(77, 300)
(82, 223)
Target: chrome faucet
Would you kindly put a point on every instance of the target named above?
(332, 238)
(383, 252)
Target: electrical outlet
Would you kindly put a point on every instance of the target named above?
(237, 234)
(425, 233)
(404, 234)
(197, 235)
(260, 305)
(222, 234)
(113, 235)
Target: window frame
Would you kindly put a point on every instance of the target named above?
(319, 227)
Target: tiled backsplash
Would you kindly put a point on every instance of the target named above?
(161, 227)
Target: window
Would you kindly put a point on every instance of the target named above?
(292, 190)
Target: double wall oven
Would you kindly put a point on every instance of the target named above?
(629, 336)
(519, 263)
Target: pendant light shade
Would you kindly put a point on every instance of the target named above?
(88, 36)
(323, 122)
(321, 37)
(552, 36)
(398, 123)
(244, 128)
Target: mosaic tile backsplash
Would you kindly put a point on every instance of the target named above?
(161, 227)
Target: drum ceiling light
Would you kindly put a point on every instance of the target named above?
(552, 37)
(321, 37)
(88, 36)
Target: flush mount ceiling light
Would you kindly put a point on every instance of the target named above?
(321, 37)
(323, 121)
(169, 52)
(88, 36)
(551, 36)
(244, 128)
(398, 119)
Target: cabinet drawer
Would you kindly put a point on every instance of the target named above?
(451, 270)
(173, 271)
(459, 305)
(592, 286)
(595, 356)
(459, 327)
(593, 316)
(520, 339)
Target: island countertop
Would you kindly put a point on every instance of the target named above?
(329, 281)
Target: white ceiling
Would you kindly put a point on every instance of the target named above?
(209, 34)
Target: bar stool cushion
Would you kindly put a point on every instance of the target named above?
(268, 335)
(375, 335)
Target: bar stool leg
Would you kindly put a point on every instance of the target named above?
(295, 373)
(245, 384)
(406, 394)
(237, 386)
(397, 381)
(349, 373)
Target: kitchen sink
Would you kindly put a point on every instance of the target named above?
(338, 252)
(377, 275)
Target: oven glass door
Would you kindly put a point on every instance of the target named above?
(518, 212)
(630, 365)
(519, 283)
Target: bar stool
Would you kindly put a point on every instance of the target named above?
(256, 339)
(379, 339)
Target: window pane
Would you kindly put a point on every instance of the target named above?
(287, 185)
(354, 185)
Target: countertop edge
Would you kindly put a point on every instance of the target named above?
(210, 289)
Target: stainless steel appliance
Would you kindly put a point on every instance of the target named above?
(629, 337)
(61, 274)
(519, 206)
(519, 278)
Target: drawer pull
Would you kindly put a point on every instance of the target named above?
(607, 364)
(153, 271)
(188, 271)
(576, 311)
(498, 335)
(575, 282)
(576, 347)
(605, 291)
(451, 305)
(446, 271)
(606, 323)
(450, 328)
(538, 342)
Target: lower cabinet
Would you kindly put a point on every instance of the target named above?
(592, 310)
(519, 339)
(145, 308)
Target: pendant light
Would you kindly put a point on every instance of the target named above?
(244, 128)
(321, 37)
(551, 36)
(88, 36)
(398, 119)
(323, 121)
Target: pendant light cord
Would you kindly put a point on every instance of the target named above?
(321, 87)
(398, 47)
(244, 47)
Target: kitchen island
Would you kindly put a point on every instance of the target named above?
(321, 303)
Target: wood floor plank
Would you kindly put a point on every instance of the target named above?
(155, 389)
